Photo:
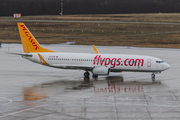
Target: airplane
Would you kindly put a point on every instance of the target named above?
(97, 64)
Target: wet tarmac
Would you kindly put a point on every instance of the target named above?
(30, 91)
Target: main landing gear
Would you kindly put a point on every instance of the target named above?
(86, 75)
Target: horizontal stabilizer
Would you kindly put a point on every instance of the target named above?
(22, 54)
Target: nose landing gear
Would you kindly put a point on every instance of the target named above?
(153, 77)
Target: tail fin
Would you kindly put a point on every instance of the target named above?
(29, 43)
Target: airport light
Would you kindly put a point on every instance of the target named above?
(61, 8)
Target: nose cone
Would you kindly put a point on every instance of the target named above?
(166, 66)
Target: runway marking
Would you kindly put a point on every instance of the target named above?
(160, 112)
(106, 98)
(24, 110)
(31, 102)
(115, 98)
(10, 101)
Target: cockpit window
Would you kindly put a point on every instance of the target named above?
(159, 61)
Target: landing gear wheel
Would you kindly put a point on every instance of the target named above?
(86, 74)
(95, 76)
(153, 76)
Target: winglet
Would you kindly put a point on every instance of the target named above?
(95, 50)
(42, 60)
(29, 43)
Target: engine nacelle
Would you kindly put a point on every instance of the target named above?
(103, 70)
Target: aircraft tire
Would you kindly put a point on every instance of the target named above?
(86, 74)
(153, 76)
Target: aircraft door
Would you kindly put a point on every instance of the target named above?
(149, 62)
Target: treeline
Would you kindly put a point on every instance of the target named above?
(52, 7)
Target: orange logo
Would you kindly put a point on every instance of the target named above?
(31, 40)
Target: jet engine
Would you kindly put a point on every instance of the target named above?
(103, 70)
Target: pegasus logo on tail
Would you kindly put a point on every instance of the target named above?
(31, 40)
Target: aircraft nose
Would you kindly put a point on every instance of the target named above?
(166, 66)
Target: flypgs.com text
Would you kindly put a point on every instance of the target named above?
(98, 60)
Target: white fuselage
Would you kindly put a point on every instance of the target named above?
(115, 62)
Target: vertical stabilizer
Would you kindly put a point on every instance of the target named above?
(29, 43)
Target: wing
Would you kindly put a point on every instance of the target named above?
(67, 66)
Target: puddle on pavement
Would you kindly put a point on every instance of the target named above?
(110, 85)
(34, 93)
